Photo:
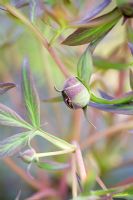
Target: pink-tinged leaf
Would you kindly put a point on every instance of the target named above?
(30, 95)
(94, 32)
(4, 87)
(9, 117)
(131, 47)
(131, 79)
(118, 108)
(125, 109)
(13, 144)
(92, 13)
(105, 95)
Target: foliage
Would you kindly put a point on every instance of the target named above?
(77, 165)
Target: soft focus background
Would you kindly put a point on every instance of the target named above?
(110, 156)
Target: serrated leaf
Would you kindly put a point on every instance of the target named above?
(90, 34)
(52, 165)
(11, 118)
(85, 67)
(4, 87)
(30, 95)
(131, 79)
(13, 144)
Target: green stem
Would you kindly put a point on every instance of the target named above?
(54, 153)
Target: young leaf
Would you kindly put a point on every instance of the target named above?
(11, 118)
(131, 79)
(52, 165)
(85, 67)
(90, 34)
(13, 144)
(30, 95)
(4, 87)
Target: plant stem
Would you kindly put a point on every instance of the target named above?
(74, 178)
(54, 153)
(108, 133)
(80, 162)
(13, 11)
(33, 183)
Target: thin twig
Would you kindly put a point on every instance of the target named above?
(13, 11)
(107, 133)
(44, 193)
(80, 162)
(74, 178)
(33, 183)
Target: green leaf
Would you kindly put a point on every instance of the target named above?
(13, 144)
(30, 95)
(131, 79)
(85, 67)
(52, 165)
(11, 118)
(53, 100)
(104, 64)
(124, 99)
(90, 34)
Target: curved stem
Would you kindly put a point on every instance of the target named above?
(13, 11)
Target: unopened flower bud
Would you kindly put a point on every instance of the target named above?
(28, 155)
(126, 7)
(75, 94)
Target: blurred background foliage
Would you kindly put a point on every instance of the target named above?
(110, 156)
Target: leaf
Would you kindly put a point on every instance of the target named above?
(118, 108)
(125, 109)
(13, 144)
(105, 96)
(85, 67)
(131, 47)
(4, 87)
(131, 79)
(90, 34)
(11, 118)
(52, 165)
(95, 11)
(53, 100)
(30, 95)
(102, 63)
(126, 98)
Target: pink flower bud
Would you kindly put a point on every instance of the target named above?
(75, 94)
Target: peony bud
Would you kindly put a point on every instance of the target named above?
(75, 94)
(126, 7)
(28, 155)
